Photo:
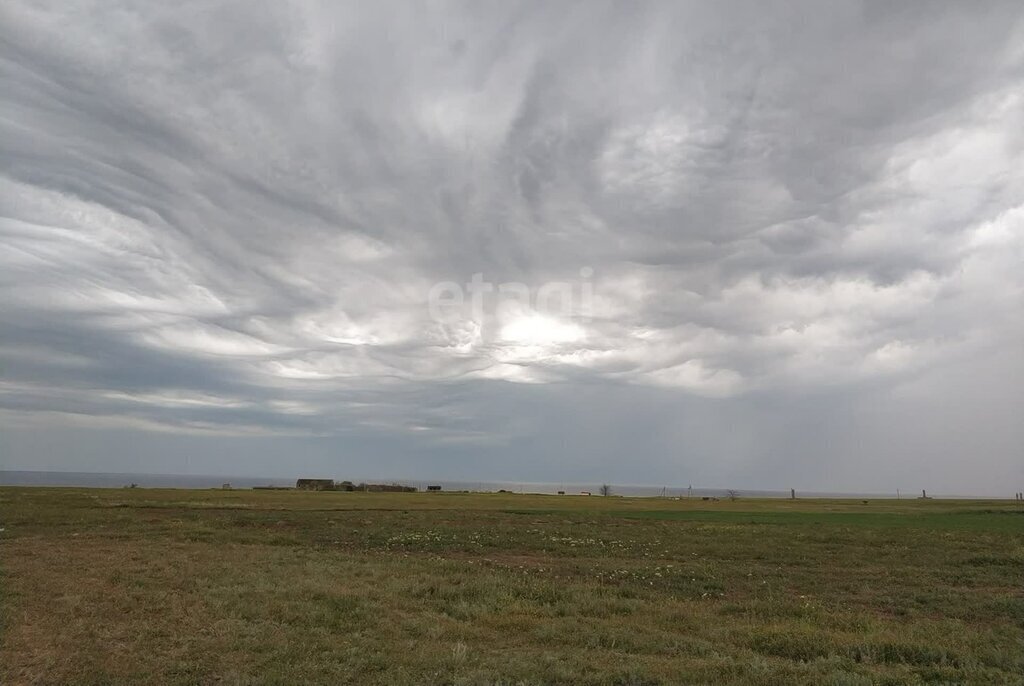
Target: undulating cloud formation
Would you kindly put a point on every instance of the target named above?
(785, 241)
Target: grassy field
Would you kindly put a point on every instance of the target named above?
(278, 587)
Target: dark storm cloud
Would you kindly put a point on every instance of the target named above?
(227, 219)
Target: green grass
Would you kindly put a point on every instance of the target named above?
(975, 520)
(240, 587)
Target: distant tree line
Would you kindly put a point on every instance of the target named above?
(331, 485)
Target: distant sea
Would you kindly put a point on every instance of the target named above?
(120, 480)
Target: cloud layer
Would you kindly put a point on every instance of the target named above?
(226, 220)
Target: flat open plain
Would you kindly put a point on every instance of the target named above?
(280, 587)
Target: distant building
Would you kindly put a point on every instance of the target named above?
(315, 484)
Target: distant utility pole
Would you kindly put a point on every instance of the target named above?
(792, 494)
(689, 491)
(898, 494)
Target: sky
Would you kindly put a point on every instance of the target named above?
(746, 245)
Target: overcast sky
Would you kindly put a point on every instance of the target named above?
(790, 239)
